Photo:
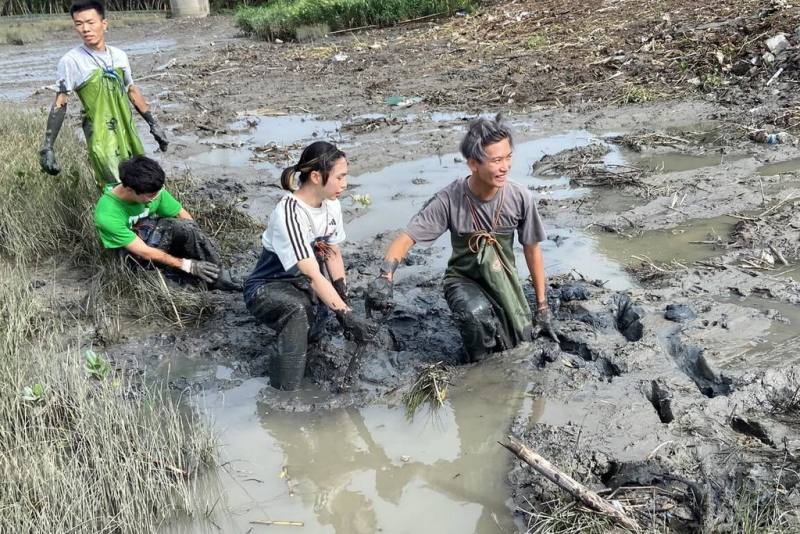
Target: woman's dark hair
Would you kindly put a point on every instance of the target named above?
(83, 5)
(319, 156)
(142, 174)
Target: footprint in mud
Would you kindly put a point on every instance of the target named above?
(592, 330)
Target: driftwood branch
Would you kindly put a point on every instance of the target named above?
(567, 483)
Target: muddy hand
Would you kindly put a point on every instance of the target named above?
(378, 296)
(545, 321)
(204, 270)
(47, 160)
(355, 328)
(156, 131)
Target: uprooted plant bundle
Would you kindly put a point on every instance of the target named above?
(430, 388)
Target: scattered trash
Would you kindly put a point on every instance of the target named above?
(402, 101)
(341, 56)
(777, 44)
(761, 136)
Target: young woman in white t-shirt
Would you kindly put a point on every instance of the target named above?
(288, 289)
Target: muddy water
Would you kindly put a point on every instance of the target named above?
(684, 243)
(35, 67)
(781, 167)
(369, 469)
(364, 470)
(764, 335)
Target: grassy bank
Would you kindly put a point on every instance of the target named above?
(83, 447)
(35, 28)
(283, 18)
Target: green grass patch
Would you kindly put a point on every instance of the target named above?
(84, 446)
(282, 18)
(536, 41)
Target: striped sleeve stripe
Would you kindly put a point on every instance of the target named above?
(293, 228)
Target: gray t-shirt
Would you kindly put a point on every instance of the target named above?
(449, 210)
(78, 64)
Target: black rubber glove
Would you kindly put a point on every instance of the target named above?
(341, 288)
(380, 291)
(545, 321)
(47, 157)
(204, 270)
(156, 131)
(355, 328)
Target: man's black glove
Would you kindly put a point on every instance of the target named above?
(204, 270)
(379, 295)
(355, 328)
(47, 157)
(47, 160)
(341, 288)
(156, 131)
(545, 321)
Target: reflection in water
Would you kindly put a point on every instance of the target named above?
(369, 469)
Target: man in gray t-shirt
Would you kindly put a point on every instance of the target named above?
(101, 76)
(482, 212)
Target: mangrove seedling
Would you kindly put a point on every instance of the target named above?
(34, 393)
(96, 366)
(364, 200)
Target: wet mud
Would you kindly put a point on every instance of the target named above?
(671, 260)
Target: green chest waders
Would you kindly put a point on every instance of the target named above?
(487, 258)
(111, 135)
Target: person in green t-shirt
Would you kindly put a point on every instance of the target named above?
(140, 218)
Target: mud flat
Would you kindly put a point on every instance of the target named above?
(671, 254)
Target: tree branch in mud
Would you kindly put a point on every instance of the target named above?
(567, 483)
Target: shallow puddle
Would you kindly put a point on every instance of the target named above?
(780, 167)
(767, 336)
(366, 470)
(675, 161)
(686, 243)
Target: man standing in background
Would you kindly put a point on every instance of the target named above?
(101, 76)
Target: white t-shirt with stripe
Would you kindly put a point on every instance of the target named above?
(294, 228)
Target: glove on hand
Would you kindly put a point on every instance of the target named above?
(47, 160)
(204, 270)
(341, 288)
(156, 131)
(545, 321)
(355, 328)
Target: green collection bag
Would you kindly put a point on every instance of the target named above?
(111, 134)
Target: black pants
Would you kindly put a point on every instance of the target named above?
(473, 312)
(291, 310)
(181, 238)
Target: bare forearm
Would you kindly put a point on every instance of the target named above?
(535, 262)
(137, 99)
(321, 286)
(335, 264)
(396, 253)
(156, 255)
(183, 214)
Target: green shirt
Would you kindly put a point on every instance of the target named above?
(115, 218)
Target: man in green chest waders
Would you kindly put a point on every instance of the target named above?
(482, 212)
(101, 75)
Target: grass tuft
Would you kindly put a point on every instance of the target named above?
(281, 19)
(429, 388)
(83, 447)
